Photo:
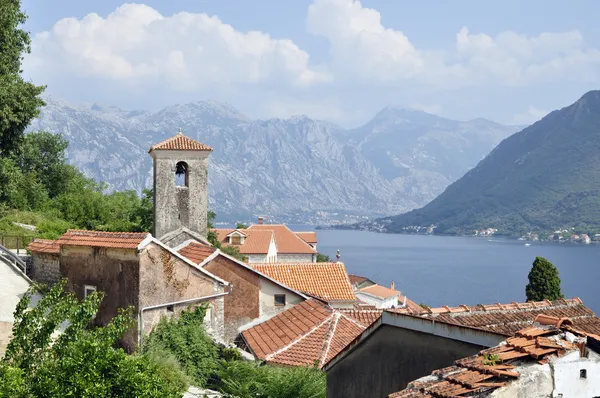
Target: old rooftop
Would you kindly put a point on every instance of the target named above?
(286, 240)
(506, 319)
(196, 252)
(180, 142)
(379, 291)
(307, 334)
(44, 246)
(498, 367)
(327, 281)
(255, 241)
(120, 240)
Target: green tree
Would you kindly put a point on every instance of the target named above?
(544, 281)
(79, 362)
(240, 225)
(19, 100)
(323, 258)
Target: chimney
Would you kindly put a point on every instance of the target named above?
(261, 220)
(392, 287)
(337, 256)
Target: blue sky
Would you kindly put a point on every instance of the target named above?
(338, 60)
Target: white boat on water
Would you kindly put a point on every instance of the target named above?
(527, 244)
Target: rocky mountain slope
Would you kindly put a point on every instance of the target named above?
(545, 177)
(398, 161)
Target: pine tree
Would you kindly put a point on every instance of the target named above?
(544, 281)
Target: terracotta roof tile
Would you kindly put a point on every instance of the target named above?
(44, 246)
(507, 319)
(286, 240)
(120, 240)
(196, 252)
(357, 280)
(476, 375)
(256, 241)
(380, 291)
(308, 237)
(307, 334)
(180, 142)
(327, 281)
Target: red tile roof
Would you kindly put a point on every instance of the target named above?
(506, 319)
(122, 240)
(180, 142)
(44, 246)
(307, 334)
(196, 252)
(286, 240)
(481, 374)
(357, 280)
(327, 281)
(256, 241)
(308, 237)
(380, 291)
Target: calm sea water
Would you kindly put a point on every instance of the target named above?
(438, 270)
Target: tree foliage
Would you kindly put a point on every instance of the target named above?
(79, 362)
(544, 281)
(19, 100)
(323, 258)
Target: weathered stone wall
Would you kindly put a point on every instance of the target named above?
(113, 271)
(242, 304)
(180, 206)
(391, 358)
(295, 258)
(165, 278)
(45, 267)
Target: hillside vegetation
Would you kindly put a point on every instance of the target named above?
(543, 178)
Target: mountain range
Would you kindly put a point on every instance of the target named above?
(543, 178)
(398, 161)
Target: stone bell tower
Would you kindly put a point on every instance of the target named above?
(180, 185)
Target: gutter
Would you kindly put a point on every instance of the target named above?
(174, 303)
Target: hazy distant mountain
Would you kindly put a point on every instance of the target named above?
(398, 161)
(543, 178)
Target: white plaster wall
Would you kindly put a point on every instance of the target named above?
(342, 304)
(294, 258)
(268, 290)
(567, 378)
(272, 254)
(385, 303)
(535, 381)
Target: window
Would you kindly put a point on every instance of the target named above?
(182, 177)
(87, 290)
(235, 239)
(279, 300)
(583, 374)
(170, 308)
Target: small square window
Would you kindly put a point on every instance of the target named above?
(170, 308)
(583, 373)
(88, 289)
(280, 299)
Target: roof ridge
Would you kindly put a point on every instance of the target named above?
(331, 333)
(294, 342)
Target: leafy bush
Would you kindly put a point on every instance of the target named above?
(81, 361)
(185, 338)
(248, 379)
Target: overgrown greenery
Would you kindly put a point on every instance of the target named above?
(323, 258)
(82, 361)
(19, 99)
(541, 179)
(544, 281)
(221, 368)
(240, 225)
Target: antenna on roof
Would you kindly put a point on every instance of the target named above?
(337, 256)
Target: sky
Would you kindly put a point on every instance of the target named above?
(510, 61)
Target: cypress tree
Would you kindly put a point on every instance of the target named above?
(544, 281)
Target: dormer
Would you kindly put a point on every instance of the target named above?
(236, 237)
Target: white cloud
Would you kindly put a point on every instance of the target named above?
(136, 44)
(530, 116)
(135, 56)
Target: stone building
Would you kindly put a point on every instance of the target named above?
(45, 256)
(255, 297)
(137, 270)
(180, 188)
